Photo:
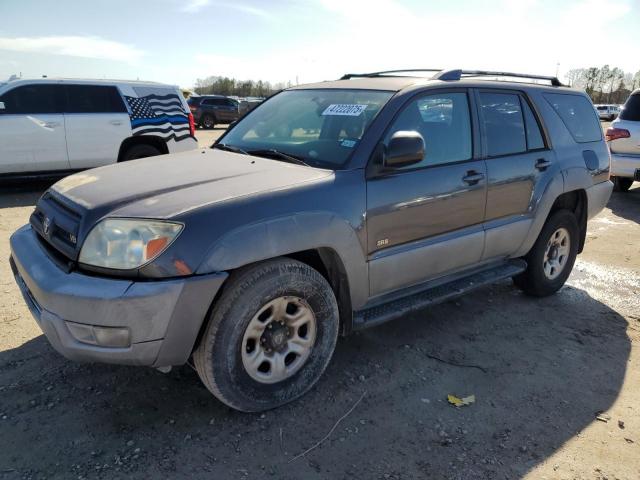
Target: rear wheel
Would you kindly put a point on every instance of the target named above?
(140, 151)
(622, 184)
(269, 337)
(208, 121)
(550, 260)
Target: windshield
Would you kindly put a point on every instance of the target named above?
(321, 127)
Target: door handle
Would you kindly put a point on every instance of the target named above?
(50, 124)
(115, 122)
(542, 164)
(472, 177)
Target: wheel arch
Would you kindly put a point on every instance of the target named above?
(322, 240)
(329, 264)
(575, 201)
(151, 140)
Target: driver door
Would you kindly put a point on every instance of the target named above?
(425, 220)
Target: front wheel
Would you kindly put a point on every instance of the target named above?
(270, 336)
(208, 122)
(551, 259)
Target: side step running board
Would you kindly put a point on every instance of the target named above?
(398, 307)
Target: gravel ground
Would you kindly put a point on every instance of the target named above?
(541, 371)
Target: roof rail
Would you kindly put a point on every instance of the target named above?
(448, 75)
(387, 72)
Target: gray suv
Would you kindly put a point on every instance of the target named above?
(329, 208)
(209, 110)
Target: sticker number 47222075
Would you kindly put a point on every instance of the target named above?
(350, 110)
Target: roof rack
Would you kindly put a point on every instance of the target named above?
(387, 72)
(448, 75)
(457, 74)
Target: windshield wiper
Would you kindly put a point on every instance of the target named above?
(229, 148)
(280, 155)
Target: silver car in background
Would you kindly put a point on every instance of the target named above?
(607, 112)
(623, 138)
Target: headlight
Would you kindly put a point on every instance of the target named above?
(125, 244)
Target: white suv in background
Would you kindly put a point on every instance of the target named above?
(607, 112)
(55, 126)
(623, 138)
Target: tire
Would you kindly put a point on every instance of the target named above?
(140, 151)
(224, 359)
(537, 282)
(622, 184)
(208, 122)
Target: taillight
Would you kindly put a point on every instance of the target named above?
(192, 125)
(616, 133)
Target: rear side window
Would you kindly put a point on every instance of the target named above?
(503, 123)
(578, 115)
(94, 99)
(34, 99)
(631, 109)
(213, 101)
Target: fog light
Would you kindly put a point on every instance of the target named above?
(102, 336)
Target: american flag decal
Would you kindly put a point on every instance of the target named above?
(161, 115)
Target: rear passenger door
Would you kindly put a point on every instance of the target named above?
(519, 162)
(425, 220)
(96, 122)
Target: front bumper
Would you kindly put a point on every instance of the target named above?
(163, 317)
(624, 165)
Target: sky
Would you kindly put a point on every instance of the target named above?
(178, 41)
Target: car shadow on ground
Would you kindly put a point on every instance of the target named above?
(23, 194)
(627, 204)
(540, 370)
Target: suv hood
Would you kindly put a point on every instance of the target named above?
(168, 185)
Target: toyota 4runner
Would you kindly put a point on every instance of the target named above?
(329, 208)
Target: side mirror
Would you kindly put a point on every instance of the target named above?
(405, 148)
(2, 107)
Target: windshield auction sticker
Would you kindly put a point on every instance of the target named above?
(344, 109)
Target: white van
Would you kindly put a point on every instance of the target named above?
(55, 126)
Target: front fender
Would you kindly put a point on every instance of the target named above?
(288, 234)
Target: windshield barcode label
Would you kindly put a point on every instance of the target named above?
(344, 109)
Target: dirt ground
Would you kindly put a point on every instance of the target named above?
(541, 371)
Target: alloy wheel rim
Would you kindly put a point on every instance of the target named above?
(556, 254)
(278, 340)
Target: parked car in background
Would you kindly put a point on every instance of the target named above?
(50, 126)
(210, 110)
(332, 207)
(624, 143)
(248, 104)
(607, 112)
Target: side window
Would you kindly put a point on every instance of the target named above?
(443, 120)
(94, 99)
(534, 135)
(631, 109)
(34, 99)
(503, 123)
(578, 115)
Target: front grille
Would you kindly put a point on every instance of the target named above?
(57, 223)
